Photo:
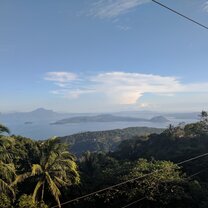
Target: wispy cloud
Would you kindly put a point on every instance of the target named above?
(123, 88)
(60, 77)
(123, 28)
(205, 6)
(72, 93)
(114, 8)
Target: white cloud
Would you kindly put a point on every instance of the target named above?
(125, 88)
(60, 77)
(114, 8)
(205, 6)
(72, 93)
(144, 105)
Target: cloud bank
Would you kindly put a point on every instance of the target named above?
(120, 87)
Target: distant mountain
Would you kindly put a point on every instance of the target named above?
(45, 114)
(108, 118)
(104, 141)
(36, 115)
(42, 112)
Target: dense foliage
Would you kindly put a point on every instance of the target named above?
(43, 174)
(32, 172)
(104, 141)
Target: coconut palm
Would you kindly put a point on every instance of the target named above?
(7, 169)
(56, 168)
(6, 144)
(7, 176)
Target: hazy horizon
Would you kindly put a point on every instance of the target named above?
(95, 112)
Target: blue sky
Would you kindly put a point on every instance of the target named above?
(102, 55)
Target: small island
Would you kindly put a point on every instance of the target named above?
(108, 118)
(159, 119)
(28, 122)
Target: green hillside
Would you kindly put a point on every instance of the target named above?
(104, 141)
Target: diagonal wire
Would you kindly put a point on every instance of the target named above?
(134, 202)
(180, 14)
(141, 199)
(131, 180)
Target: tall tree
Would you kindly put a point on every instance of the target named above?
(7, 176)
(7, 168)
(204, 122)
(56, 168)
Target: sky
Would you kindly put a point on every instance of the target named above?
(103, 55)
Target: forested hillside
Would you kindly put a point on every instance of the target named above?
(105, 141)
(166, 170)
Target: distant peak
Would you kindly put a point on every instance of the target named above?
(41, 110)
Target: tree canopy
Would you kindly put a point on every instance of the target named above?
(41, 174)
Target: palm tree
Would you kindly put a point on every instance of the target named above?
(56, 168)
(4, 129)
(204, 116)
(7, 176)
(5, 144)
(7, 168)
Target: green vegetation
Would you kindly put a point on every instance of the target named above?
(4, 129)
(42, 174)
(105, 141)
(26, 201)
(31, 171)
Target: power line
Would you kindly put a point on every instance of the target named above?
(195, 174)
(134, 202)
(130, 180)
(107, 188)
(193, 158)
(141, 199)
(182, 15)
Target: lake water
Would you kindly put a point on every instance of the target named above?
(43, 129)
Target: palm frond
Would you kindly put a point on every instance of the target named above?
(20, 178)
(37, 187)
(53, 188)
(60, 182)
(7, 169)
(6, 188)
